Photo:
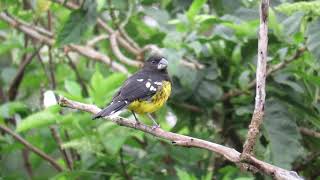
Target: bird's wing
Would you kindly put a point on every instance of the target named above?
(138, 86)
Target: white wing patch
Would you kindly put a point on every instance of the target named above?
(153, 88)
(139, 80)
(158, 83)
(148, 84)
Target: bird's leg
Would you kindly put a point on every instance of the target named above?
(135, 117)
(155, 124)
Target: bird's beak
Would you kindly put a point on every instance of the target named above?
(163, 63)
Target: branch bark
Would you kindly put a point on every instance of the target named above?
(261, 74)
(26, 162)
(187, 141)
(80, 80)
(309, 132)
(93, 54)
(32, 148)
(14, 86)
(83, 50)
(118, 53)
(64, 153)
(126, 42)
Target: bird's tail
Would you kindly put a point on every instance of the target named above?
(111, 109)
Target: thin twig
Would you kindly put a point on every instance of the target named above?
(59, 142)
(26, 162)
(125, 42)
(32, 148)
(121, 40)
(299, 52)
(303, 163)
(309, 132)
(83, 50)
(97, 39)
(258, 113)
(26, 29)
(123, 165)
(2, 96)
(118, 53)
(93, 54)
(123, 32)
(51, 64)
(43, 66)
(80, 80)
(14, 86)
(187, 141)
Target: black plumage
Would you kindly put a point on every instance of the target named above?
(141, 86)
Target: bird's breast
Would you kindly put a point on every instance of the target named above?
(156, 101)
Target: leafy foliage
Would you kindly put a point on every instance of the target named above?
(220, 35)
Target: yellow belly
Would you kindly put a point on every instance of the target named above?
(155, 103)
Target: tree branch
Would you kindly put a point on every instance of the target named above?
(64, 153)
(31, 32)
(127, 42)
(187, 141)
(309, 132)
(2, 96)
(258, 113)
(97, 39)
(93, 54)
(83, 50)
(14, 86)
(123, 165)
(80, 80)
(299, 52)
(118, 53)
(32, 148)
(26, 162)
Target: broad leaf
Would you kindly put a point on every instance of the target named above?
(78, 23)
(39, 119)
(282, 133)
(313, 38)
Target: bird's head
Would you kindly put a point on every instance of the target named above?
(156, 63)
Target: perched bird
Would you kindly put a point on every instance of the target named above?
(144, 92)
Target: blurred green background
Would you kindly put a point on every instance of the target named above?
(212, 50)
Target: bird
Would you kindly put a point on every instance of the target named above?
(146, 91)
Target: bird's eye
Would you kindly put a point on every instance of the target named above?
(153, 62)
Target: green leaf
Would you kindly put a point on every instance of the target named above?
(113, 137)
(39, 119)
(208, 92)
(9, 109)
(73, 88)
(312, 8)
(275, 25)
(292, 23)
(244, 79)
(313, 38)
(184, 175)
(102, 89)
(285, 78)
(78, 23)
(283, 135)
(84, 144)
(195, 8)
